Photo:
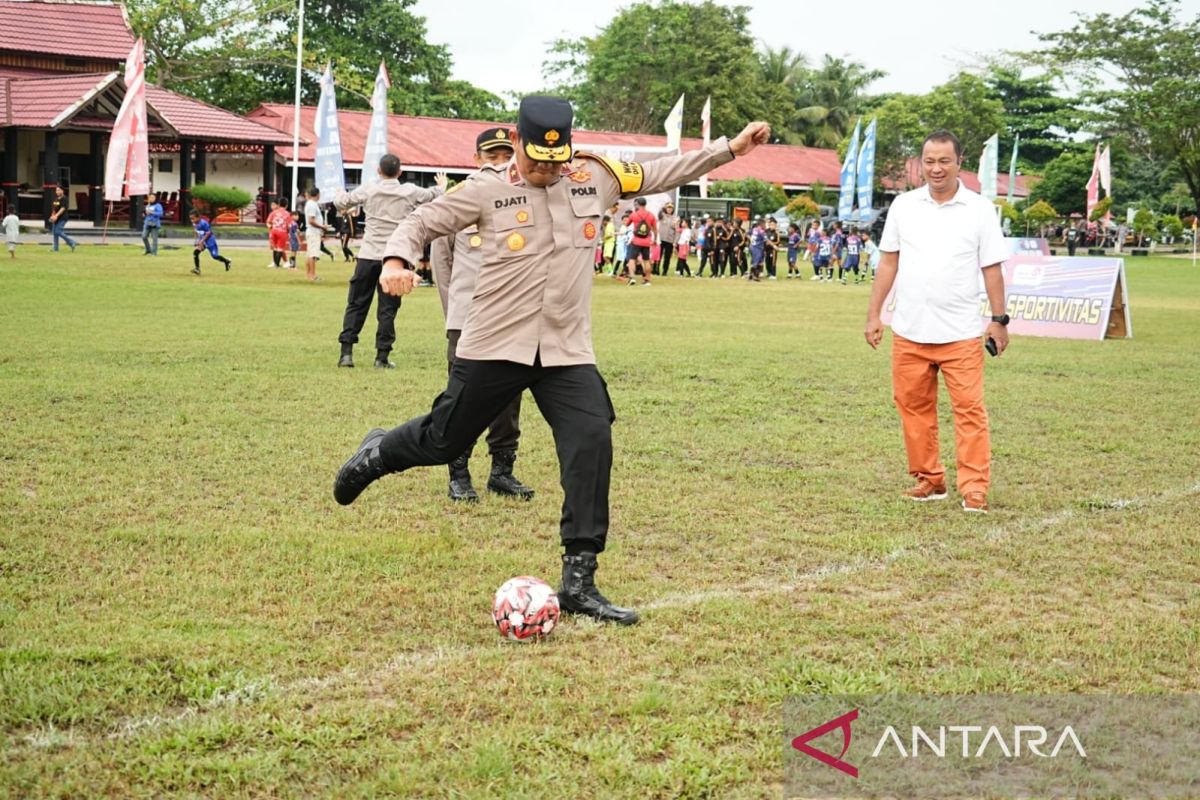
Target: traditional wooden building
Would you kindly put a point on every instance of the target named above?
(61, 84)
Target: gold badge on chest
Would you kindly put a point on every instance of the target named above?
(475, 240)
(522, 216)
(515, 241)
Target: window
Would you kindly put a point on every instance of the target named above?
(166, 165)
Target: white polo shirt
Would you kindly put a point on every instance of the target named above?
(943, 247)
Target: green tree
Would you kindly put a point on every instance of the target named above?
(1150, 54)
(765, 198)
(1102, 208)
(784, 66)
(962, 105)
(1144, 224)
(1064, 182)
(629, 76)
(829, 102)
(1039, 214)
(238, 53)
(217, 200)
(1008, 211)
(1032, 109)
(802, 207)
(1172, 226)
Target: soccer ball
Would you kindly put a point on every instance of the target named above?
(525, 608)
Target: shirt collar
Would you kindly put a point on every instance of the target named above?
(958, 195)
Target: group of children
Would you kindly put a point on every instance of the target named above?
(837, 250)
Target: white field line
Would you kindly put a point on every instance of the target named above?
(259, 689)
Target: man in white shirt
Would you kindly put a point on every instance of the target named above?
(937, 243)
(316, 229)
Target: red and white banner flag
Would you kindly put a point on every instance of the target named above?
(127, 166)
(706, 132)
(1093, 185)
(1104, 169)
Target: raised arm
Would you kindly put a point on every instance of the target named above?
(446, 215)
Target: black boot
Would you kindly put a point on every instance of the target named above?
(579, 595)
(502, 481)
(382, 361)
(347, 359)
(460, 481)
(364, 468)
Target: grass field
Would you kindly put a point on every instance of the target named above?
(185, 611)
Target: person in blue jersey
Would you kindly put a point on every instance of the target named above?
(206, 239)
(822, 257)
(151, 223)
(814, 239)
(794, 240)
(758, 245)
(850, 263)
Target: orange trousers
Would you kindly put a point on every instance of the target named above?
(915, 369)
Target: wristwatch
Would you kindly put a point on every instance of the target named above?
(1003, 319)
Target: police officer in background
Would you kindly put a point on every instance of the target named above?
(668, 234)
(455, 261)
(386, 203)
(529, 326)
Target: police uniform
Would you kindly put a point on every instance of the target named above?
(455, 261)
(529, 327)
(385, 202)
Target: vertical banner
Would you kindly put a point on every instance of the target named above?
(1093, 185)
(706, 132)
(377, 134)
(673, 125)
(866, 173)
(127, 164)
(330, 176)
(1104, 172)
(1012, 167)
(846, 185)
(988, 167)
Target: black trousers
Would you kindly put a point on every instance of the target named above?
(664, 257)
(363, 286)
(505, 430)
(574, 401)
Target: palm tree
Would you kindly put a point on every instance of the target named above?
(784, 66)
(830, 99)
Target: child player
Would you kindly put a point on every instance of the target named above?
(277, 231)
(205, 240)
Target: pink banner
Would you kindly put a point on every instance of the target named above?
(127, 165)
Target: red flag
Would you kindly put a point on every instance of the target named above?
(127, 166)
(1093, 184)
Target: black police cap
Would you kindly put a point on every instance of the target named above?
(544, 124)
(493, 138)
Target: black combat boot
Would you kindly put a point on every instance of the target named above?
(382, 361)
(460, 481)
(364, 468)
(347, 359)
(502, 480)
(579, 595)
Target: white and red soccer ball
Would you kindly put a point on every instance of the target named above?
(525, 608)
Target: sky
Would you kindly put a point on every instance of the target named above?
(504, 52)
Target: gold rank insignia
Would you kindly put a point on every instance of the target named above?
(515, 241)
(589, 231)
(580, 176)
(552, 136)
(513, 174)
(501, 135)
(522, 216)
(475, 240)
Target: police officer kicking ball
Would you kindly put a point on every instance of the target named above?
(529, 325)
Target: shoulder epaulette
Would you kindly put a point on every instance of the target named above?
(628, 174)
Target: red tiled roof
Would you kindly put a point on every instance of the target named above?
(37, 102)
(196, 120)
(434, 143)
(76, 29)
(40, 102)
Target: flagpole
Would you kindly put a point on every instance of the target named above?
(296, 114)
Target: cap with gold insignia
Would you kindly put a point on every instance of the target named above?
(544, 124)
(493, 138)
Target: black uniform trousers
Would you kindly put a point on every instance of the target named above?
(574, 401)
(505, 430)
(363, 286)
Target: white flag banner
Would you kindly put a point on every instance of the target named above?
(989, 166)
(706, 132)
(127, 164)
(377, 135)
(674, 125)
(330, 175)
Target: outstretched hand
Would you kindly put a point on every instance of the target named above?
(439, 180)
(396, 278)
(752, 136)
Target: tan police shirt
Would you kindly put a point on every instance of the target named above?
(456, 260)
(533, 295)
(386, 204)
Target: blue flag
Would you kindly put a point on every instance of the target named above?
(866, 172)
(330, 176)
(846, 192)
